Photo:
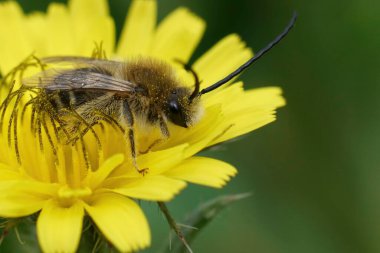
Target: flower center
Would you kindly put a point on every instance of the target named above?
(67, 195)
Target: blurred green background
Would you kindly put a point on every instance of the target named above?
(314, 173)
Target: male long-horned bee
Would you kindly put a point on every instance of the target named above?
(142, 89)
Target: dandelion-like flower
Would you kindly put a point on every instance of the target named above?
(94, 176)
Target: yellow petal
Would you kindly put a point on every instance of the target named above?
(223, 96)
(159, 161)
(121, 221)
(36, 30)
(92, 24)
(178, 35)
(9, 173)
(138, 30)
(204, 171)
(155, 162)
(158, 188)
(242, 125)
(248, 111)
(266, 97)
(223, 58)
(199, 135)
(14, 45)
(96, 178)
(89, 7)
(59, 228)
(20, 198)
(59, 31)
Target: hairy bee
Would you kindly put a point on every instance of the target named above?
(142, 89)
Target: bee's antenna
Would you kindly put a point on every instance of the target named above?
(197, 84)
(253, 59)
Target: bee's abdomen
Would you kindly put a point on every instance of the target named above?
(71, 98)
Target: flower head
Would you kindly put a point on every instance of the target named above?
(94, 176)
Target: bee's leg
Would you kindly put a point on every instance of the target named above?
(126, 117)
(165, 132)
(164, 128)
(154, 143)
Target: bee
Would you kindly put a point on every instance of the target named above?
(142, 89)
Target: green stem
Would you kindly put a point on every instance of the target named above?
(174, 226)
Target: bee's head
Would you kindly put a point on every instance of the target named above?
(181, 110)
(183, 107)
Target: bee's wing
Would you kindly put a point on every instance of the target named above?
(85, 78)
(79, 60)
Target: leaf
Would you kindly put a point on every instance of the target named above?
(200, 218)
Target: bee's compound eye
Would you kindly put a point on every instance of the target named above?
(175, 114)
(173, 107)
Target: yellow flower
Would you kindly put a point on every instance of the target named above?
(95, 177)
